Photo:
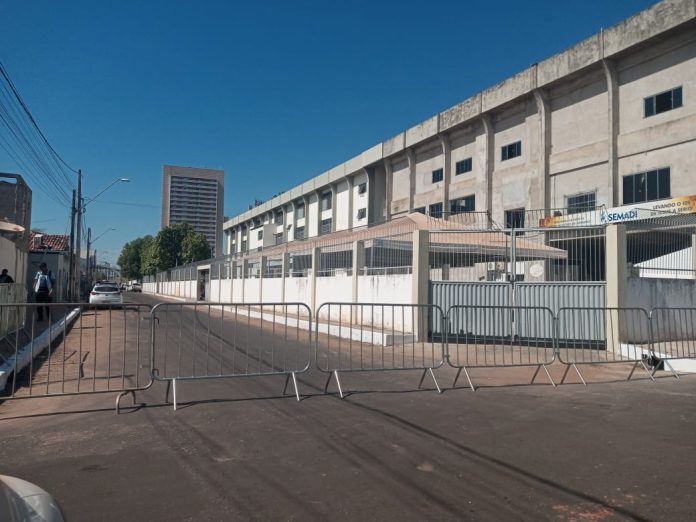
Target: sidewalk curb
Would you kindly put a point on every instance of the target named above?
(21, 358)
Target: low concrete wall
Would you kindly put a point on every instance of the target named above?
(272, 290)
(649, 293)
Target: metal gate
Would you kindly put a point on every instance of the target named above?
(76, 348)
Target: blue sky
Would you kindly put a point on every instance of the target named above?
(273, 93)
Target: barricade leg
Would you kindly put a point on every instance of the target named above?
(536, 372)
(468, 378)
(671, 369)
(338, 383)
(174, 393)
(123, 394)
(432, 374)
(294, 381)
(565, 374)
(642, 364)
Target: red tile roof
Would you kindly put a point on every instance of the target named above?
(53, 242)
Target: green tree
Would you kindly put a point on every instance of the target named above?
(195, 247)
(174, 245)
(131, 257)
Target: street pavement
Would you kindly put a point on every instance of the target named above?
(238, 449)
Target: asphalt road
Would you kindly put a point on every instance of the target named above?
(238, 449)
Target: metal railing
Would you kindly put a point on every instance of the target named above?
(499, 337)
(368, 337)
(193, 341)
(603, 335)
(79, 349)
(12, 318)
(75, 348)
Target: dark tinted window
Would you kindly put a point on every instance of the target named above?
(464, 166)
(436, 210)
(106, 288)
(514, 218)
(663, 102)
(581, 203)
(511, 151)
(646, 186)
(461, 205)
(437, 175)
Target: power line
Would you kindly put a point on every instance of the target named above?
(31, 117)
(28, 146)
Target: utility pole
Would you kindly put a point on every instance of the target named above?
(78, 233)
(89, 262)
(71, 272)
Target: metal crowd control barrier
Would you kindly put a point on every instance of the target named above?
(603, 335)
(368, 337)
(76, 348)
(499, 337)
(673, 335)
(194, 341)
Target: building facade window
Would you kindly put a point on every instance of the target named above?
(436, 210)
(581, 203)
(260, 235)
(326, 201)
(362, 213)
(300, 210)
(362, 188)
(463, 166)
(510, 151)
(279, 238)
(325, 226)
(420, 210)
(514, 218)
(299, 233)
(646, 186)
(438, 175)
(461, 205)
(663, 102)
(278, 218)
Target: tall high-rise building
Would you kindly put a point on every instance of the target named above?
(194, 196)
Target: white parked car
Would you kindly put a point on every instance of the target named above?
(105, 294)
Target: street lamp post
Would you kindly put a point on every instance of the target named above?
(90, 243)
(78, 210)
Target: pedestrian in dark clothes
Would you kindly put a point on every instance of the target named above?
(43, 287)
(5, 278)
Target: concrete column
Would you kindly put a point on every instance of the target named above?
(358, 264)
(351, 217)
(284, 230)
(488, 163)
(447, 177)
(544, 110)
(389, 188)
(220, 269)
(371, 203)
(420, 281)
(245, 271)
(693, 255)
(334, 204)
(294, 219)
(263, 269)
(617, 282)
(285, 266)
(233, 271)
(613, 130)
(313, 278)
(410, 153)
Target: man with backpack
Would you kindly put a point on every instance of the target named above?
(43, 287)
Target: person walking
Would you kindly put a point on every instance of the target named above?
(43, 287)
(5, 278)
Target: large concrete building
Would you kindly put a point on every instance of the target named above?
(608, 122)
(195, 196)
